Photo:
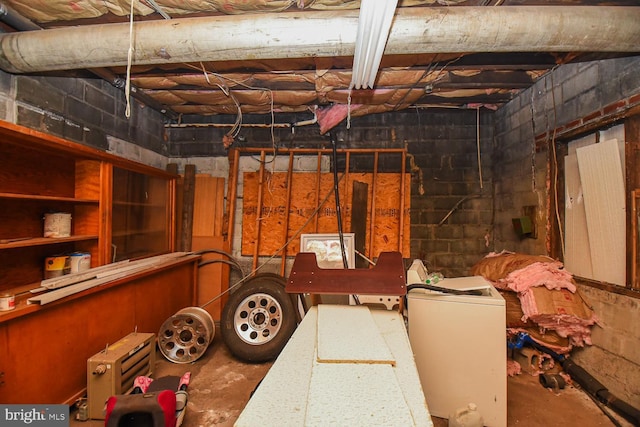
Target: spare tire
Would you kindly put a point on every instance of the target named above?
(258, 319)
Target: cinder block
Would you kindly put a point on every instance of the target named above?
(533, 361)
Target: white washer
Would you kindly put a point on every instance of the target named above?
(459, 344)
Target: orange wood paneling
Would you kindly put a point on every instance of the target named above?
(45, 348)
(386, 210)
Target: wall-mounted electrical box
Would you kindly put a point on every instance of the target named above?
(525, 225)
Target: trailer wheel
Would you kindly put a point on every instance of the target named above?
(258, 319)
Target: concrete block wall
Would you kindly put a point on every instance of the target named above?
(85, 110)
(562, 97)
(443, 160)
(446, 184)
(614, 357)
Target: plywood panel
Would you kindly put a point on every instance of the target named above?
(208, 206)
(603, 185)
(577, 258)
(304, 202)
(213, 278)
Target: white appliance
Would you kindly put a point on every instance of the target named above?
(459, 344)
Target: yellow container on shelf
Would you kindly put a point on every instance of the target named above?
(56, 266)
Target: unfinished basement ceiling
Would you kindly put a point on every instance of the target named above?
(213, 60)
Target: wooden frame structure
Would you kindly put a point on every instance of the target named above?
(291, 154)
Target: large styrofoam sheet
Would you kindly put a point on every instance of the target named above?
(356, 394)
(349, 334)
(300, 391)
(603, 187)
(281, 399)
(392, 328)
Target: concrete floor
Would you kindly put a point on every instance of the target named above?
(221, 385)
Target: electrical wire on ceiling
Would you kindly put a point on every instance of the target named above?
(413, 86)
(127, 89)
(430, 69)
(157, 8)
(233, 133)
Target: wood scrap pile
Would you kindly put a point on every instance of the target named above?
(541, 299)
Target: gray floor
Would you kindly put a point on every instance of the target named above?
(221, 385)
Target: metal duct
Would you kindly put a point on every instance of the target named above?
(15, 20)
(20, 23)
(295, 35)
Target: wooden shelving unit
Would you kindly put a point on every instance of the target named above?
(110, 218)
(42, 174)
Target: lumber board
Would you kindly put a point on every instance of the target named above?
(213, 278)
(105, 276)
(359, 203)
(208, 205)
(578, 252)
(604, 197)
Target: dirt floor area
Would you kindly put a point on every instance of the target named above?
(221, 385)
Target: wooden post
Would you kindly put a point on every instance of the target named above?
(188, 198)
(401, 213)
(359, 219)
(283, 264)
(256, 243)
(232, 191)
(634, 239)
(318, 182)
(372, 225)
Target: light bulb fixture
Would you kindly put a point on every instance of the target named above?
(374, 23)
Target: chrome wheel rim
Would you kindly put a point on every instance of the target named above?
(258, 319)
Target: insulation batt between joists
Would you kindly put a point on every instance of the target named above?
(287, 35)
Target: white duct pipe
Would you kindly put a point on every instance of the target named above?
(325, 34)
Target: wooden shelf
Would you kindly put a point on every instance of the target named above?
(37, 197)
(41, 173)
(42, 241)
(143, 204)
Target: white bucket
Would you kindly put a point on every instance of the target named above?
(57, 224)
(7, 302)
(80, 261)
(466, 417)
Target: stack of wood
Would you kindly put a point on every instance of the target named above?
(541, 299)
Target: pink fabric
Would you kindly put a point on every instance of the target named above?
(548, 274)
(184, 381)
(578, 330)
(142, 382)
(330, 117)
(513, 368)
